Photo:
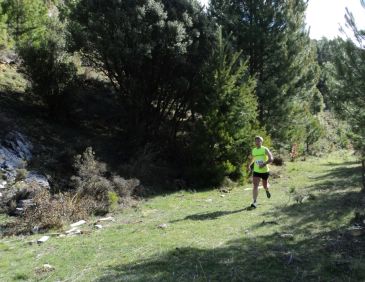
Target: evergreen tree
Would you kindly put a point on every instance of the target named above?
(348, 92)
(272, 34)
(226, 119)
(326, 50)
(48, 67)
(51, 73)
(27, 19)
(3, 28)
(152, 52)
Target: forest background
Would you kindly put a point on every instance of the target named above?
(172, 94)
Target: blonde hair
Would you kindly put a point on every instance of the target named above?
(259, 137)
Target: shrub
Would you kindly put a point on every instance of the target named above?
(125, 187)
(21, 174)
(90, 181)
(294, 152)
(146, 165)
(51, 212)
(113, 200)
(278, 161)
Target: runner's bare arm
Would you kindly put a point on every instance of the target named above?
(249, 163)
(269, 154)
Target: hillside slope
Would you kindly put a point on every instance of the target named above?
(303, 233)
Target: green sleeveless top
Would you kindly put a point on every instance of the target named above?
(259, 156)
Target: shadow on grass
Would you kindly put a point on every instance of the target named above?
(324, 211)
(343, 174)
(339, 178)
(336, 196)
(326, 257)
(211, 215)
(309, 254)
(348, 163)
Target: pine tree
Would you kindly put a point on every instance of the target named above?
(272, 34)
(348, 93)
(27, 19)
(326, 50)
(3, 28)
(226, 120)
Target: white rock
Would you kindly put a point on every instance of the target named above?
(288, 235)
(209, 200)
(106, 219)
(72, 230)
(79, 223)
(98, 226)
(163, 226)
(43, 239)
(48, 266)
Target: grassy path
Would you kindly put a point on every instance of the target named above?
(212, 236)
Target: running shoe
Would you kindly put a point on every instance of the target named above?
(268, 194)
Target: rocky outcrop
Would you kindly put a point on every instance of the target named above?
(17, 184)
(15, 152)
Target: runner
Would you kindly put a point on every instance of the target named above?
(260, 158)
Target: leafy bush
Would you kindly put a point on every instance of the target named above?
(113, 200)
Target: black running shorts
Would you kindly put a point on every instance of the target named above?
(263, 176)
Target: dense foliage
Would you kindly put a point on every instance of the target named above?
(272, 35)
(152, 52)
(3, 29)
(221, 134)
(174, 86)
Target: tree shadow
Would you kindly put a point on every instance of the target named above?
(211, 215)
(323, 211)
(329, 256)
(348, 163)
(317, 248)
(339, 178)
(343, 172)
(323, 204)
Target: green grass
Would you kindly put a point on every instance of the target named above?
(213, 238)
